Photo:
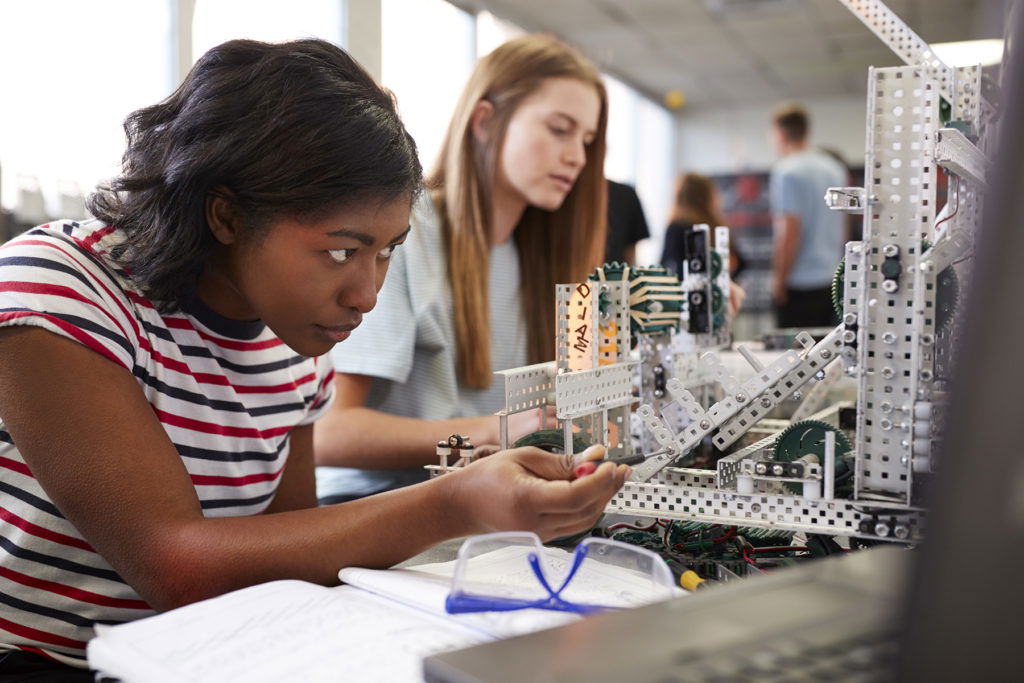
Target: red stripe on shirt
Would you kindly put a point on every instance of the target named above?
(95, 237)
(40, 636)
(19, 467)
(43, 532)
(211, 428)
(233, 344)
(87, 271)
(275, 388)
(81, 337)
(213, 480)
(71, 592)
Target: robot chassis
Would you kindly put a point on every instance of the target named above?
(896, 336)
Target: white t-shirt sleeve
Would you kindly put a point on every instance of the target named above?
(384, 344)
(47, 280)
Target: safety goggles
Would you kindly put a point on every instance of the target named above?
(507, 571)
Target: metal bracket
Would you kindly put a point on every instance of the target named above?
(954, 152)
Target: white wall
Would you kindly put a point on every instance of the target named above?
(731, 139)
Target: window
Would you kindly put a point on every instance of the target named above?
(641, 152)
(427, 54)
(72, 71)
(216, 21)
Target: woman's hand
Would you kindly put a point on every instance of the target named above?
(527, 489)
(527, 422)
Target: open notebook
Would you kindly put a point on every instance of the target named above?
(379, 627)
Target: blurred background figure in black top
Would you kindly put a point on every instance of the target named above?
(626, 223)
(697, 201)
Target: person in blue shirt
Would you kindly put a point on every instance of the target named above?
(808, 241)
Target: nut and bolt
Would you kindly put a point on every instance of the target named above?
(927, 339)
(882, 529)
(885, 425)
(761, 468)
(778, 469)
(890, 251)
(849, 337)
(850, 319)
(926, 375)
(705, 424)
(889, 338)
(826, 353)
(888, 373)
(889, 286)
(901, 531)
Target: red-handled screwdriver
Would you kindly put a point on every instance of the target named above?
(588, 466)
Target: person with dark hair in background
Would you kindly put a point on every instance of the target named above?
(160, 366)
(698, 202)
(626, 223)
(808, 242)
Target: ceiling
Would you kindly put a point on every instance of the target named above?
(726, 52)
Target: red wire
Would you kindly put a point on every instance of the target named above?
(779, 548)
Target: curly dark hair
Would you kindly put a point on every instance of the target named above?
(295, 129)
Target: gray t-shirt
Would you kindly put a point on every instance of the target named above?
(407, 344)
(797, 187)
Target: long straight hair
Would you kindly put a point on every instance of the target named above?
(554, 246)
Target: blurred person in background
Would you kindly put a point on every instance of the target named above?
(626, 223)
(808, 236)
(698, 202)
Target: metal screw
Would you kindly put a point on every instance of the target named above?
(826, 353)
(705, 424)
(901, 531)
(881, 529)
(756, 507)
(886, 407)
(658, 370)
(766, 402)
(849, 337)
(696, 298)
(778, 470)
(658, 393)
(885, 425)
(761, 468)
(890, 251)
(888, 373)
(926, 375)
(797, 396)
(740, 398)
(889, 286)
(850, 319)
(889, 338)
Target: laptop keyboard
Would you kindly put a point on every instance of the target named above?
(828, 653)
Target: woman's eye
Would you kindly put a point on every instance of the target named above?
(341, 255)
(559, 131)
(385, 253)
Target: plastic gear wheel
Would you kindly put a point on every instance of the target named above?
(615, 272)
(947, 293)
(806, 437)
(552, 441)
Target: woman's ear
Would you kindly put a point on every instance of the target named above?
(220, 216)
(480, 121)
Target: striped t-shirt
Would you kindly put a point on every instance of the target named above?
(227, 392)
